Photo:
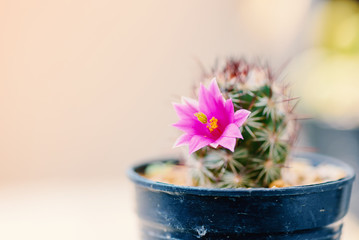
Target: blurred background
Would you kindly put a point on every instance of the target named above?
(86, 90)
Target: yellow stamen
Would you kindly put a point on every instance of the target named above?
(201, 117)
(213, 124)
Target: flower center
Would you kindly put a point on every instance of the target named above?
(211, 125)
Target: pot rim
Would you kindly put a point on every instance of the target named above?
(314, 158)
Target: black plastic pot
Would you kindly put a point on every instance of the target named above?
(306, 212)
(339, 143)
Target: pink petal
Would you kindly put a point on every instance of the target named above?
(214, 89)
(207, 102)
(191, 103)
(181, 110)
(227, 142)
(229, 110)
(185, 110)
(229, 136)
(198, 142)
(241, 116)
(212, 103)
(232, 131)
(182, 140)
(191, 126)
(210, 99)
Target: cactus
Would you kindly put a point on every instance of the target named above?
(269, 132)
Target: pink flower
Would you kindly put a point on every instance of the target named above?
(210, 121)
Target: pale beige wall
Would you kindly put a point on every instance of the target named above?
(86, 86)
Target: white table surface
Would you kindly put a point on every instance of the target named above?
(79, 209)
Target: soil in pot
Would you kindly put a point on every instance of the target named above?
(298, 172)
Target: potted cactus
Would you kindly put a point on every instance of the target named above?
(236, 180)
